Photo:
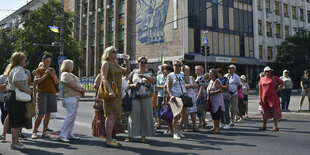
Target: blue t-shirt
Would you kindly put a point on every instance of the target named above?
(201, 81)
(161, 80)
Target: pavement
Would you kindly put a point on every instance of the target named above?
(243, 138)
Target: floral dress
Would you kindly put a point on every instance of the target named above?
(114, 106)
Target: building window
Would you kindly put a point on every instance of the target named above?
(111, 25)
(277, 7)
(85, 8)
(101, 4)
(269, 30)
(294, 12)
(294, 31)
(121, 20)
(260, 52)
(278, 50)
(92, 29)
(111, 2)
(285, 8)
(93, 6)
(302, 14)
(308, 16)
(286, 31)
(259, 5)
(85, 33)
(267, 5)
(269, 52)
(260, 32)
(278, 30)
(92, 63)
(78, 34)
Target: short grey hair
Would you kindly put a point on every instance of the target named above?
(67, 66)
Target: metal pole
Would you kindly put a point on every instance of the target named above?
(206, 63)
(62, 26)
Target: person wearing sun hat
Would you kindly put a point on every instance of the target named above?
(234, 85)
(246, 92)
(269, 101)
(287, 90)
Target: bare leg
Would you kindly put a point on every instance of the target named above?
(46, 121)
(183, 118)
(109, 125)
(175, 124)
(15, 139)
(37, 123)
(6, 125)
(193, 117)
(264, 123)
(301, 101)
(275, 121)
(170, 128)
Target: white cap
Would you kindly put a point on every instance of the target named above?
(285, 71)
(243, 77)
(159, 67)
(266, 69)
(232, 66)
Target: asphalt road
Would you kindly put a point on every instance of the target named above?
(244, 138)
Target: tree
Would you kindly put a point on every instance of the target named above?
(7, 40)
(294, 54)
(36, 31)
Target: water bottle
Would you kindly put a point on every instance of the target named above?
(123, 56)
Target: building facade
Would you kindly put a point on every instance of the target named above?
(17, 18)
(274, 20)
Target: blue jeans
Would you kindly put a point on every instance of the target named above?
(225, 119)
(286, 96)
(4, 112)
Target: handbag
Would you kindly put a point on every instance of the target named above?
(103, 92)
(187, 101)
(208, 105)
(127, 102)
(98, 105)
(166, 113)
(30, 109)
(22, 96)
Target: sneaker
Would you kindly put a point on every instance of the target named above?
(17, 147)
(222, 125)
(168, 133)
(232, 124)
(226, 127)
(240, 120)
(63, 139)
(299, 109)
(176, 137)
(34, 136)
(49, 129)
(3, 138)
(45, 135)
(181, 134)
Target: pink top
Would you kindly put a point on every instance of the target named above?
(269, 94)
(240, 93)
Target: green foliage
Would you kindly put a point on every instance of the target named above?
(36, 30)
(294, 54)
(7, 40)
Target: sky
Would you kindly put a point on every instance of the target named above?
(10, 5)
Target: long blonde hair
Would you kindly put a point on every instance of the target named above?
(106, 54)
(15, 60)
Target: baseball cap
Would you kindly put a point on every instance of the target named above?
(232, 66)
(266, 69)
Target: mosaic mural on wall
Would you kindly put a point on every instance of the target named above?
(150, 20)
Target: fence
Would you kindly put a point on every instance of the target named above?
(88, 83)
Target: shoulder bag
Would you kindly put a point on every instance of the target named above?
(208, 105)
(30, 109)
(165, 113)
(187, 101)
(103, 92)
(22, 96)
(127, 102)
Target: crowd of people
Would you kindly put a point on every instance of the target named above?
(133, 101)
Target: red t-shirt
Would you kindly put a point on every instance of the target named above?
(269, 94)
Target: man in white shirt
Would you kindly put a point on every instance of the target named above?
(234, 85)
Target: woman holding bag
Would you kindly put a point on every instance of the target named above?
(17, 79)
(176, 86)
(111, 74)
(215, 96)
(140, 121)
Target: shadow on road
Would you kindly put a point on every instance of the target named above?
(39, 152)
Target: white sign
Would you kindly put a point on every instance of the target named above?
(225, 59)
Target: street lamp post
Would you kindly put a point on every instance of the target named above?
(205, 46)
(62, 26)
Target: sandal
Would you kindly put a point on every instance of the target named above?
(112, 144)
(127, 139)
(262, 129)
(274, 129)
(211, 130)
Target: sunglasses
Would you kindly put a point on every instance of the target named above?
(143, 62)
(177, 65)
